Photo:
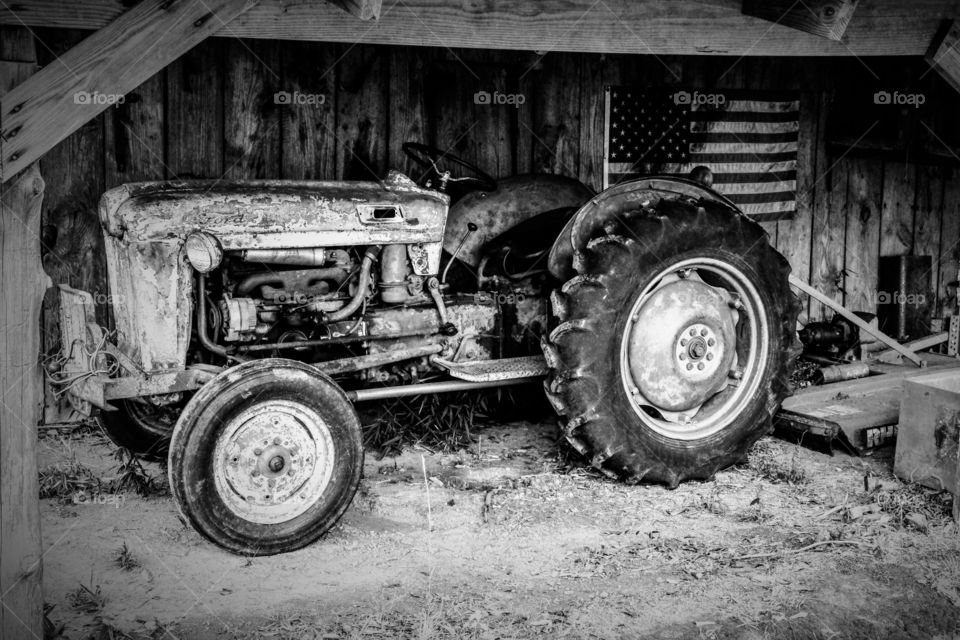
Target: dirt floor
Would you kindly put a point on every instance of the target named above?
(510, 540)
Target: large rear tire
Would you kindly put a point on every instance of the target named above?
(674, 341)
(266, 457)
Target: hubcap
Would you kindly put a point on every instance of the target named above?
(273, 461)
(681, 358)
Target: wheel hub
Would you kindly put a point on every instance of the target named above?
(681, 344)
(273, 461)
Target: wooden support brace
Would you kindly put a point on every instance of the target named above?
(857, 320)
(825, 18)
(22, 284)
(944, 55)
(363, 9)
(96, 73)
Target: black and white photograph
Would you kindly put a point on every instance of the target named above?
(479, 319)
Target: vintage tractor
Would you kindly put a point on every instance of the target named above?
(250, 316)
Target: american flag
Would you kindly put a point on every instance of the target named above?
(748, 139)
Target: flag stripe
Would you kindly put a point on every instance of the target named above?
(768, 207)
(756, 187)
(744, 116)
(745, 137)
(742, 158)
(756, 106)
(733, 147)
(741, 199)
(744, 127)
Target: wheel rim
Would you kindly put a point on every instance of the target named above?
(273, 461)
(159, 421)
(694, 348)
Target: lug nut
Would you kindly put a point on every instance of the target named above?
(683, 342)
(255, 473)
(683, 356)
(703, 332)
(276, 441)
(290, 473)
(736, 374)
(257, 451)
(689, 366)
(693, 332)
(711, 342)
(700, 366)
(709, 356)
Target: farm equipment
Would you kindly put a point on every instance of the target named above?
(250, 316)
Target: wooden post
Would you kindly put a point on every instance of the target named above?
(22, 283)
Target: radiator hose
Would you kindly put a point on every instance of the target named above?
(363, 284)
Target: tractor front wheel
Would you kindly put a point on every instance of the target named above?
(266, 457)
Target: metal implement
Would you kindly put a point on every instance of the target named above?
(928, 444)
(852, 317)
(358, 363)
(495, 370)
(383, 393)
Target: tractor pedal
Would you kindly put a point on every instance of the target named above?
(492, 370)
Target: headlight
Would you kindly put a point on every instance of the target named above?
(203, 251)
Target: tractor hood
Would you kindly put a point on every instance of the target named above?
(276, 214)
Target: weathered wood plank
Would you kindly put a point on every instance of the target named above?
(87, 79)
(363, 9)
(678, 27)
(408, 91)
(554, 101)
(133, 135)
(22, 283)
(949, 250)
(927, 221)
(362, 111)
(829, 226)
(943, 55)
(195, 113)
(899, 193)
(308, 128)
(251, 113)
(862, 250)
(825, 18)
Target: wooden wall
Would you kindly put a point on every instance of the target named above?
(212, 114)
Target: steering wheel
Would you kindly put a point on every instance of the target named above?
(433, 159)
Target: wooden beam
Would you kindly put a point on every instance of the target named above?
(662, 27)
(943, 54)
(96, 73)
(363, 9)
(22, 283)
(824, 18)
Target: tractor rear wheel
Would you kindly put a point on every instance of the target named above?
(674, 342)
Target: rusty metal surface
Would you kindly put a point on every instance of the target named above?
(929, 431)
(615, 201)
(270, 214)
(515, 200)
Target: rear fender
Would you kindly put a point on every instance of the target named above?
(613, 202)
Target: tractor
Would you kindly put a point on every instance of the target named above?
(251, 316)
